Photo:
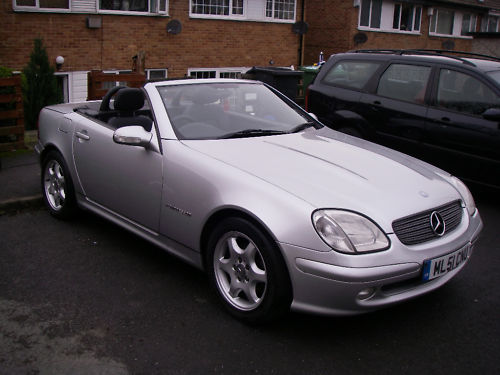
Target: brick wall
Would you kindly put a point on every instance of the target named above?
(202, 43)
(334, 23)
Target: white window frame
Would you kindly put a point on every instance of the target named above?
(485, 26)
(416, 8)
(369, 27)
(472, 24)
(253, 10)
(36, 8)
(66, 85)
(387, 12)
(457, 24)
(156, 11)
(230, 16)
(148, 72)
(273, 8)
(219, 71)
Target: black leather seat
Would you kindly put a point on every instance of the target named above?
(127, 102)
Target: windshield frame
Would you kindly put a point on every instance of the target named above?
(171, 96)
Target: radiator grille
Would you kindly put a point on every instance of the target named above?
(416, 229)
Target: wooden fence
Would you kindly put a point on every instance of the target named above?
(11, 114)
(97, 80)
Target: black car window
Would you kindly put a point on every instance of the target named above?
(463, 93)
(352, 74)
(404, 82)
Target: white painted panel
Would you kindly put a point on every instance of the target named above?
(84, 6)
(78, 90)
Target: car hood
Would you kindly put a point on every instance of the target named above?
(328, 169)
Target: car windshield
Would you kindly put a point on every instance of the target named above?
(230, 110)
(495, 75)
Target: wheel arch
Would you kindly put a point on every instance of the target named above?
(224, 213)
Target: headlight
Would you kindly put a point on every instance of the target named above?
(349, 232)
(465, 193)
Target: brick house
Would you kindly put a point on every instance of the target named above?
(217, 38)
(342, 25)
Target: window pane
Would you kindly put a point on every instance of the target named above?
(492, 24)
(284, 9)
(125, 5)
(445, 22)
(214, 7)
(353, 74)
(376, 14)
(463, 93)
(29, 3)
(364, 19)
(397, 11)
(406, 17)
(433, 22)
(405, 82)
(237, 7)
(465, 24)
(418, 14)
(63, 4)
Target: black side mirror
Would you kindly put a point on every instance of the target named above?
(492, 114)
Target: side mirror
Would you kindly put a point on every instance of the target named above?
(132, 136)
(492, 114)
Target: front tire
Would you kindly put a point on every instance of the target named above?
(247, 272)
(57, 186)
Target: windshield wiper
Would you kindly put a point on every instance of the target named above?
(252, 133)
(301, 127)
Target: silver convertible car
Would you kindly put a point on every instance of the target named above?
(282, 212)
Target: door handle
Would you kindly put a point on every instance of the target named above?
(376, 102)
(445, 119)
(82, 135)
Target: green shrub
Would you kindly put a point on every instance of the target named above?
(39, 85)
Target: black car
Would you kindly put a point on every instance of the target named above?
(437, 106)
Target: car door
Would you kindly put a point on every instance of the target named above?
(396, 108)
(124, 179)
(469, 144)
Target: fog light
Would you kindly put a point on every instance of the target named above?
(366, 293)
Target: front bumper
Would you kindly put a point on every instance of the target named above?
(331, 286)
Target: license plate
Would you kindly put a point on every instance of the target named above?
(441, 266)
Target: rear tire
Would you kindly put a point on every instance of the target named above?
(247, 272)
(57, 186)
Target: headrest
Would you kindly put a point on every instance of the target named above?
(129, 99)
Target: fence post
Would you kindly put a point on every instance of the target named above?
(11, 114)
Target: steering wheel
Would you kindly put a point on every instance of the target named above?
(107, 98)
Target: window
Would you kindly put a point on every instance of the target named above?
(404, 82)
(216, 72)
(143, 6)
(352, 74)
(490, 24)
(44, 4)
(156, 74)
(406, 17)
(442, 22)
(244, 10)
(468, 24)
(280, 9)
(463, 93)
(370, 14)
(217, 7)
